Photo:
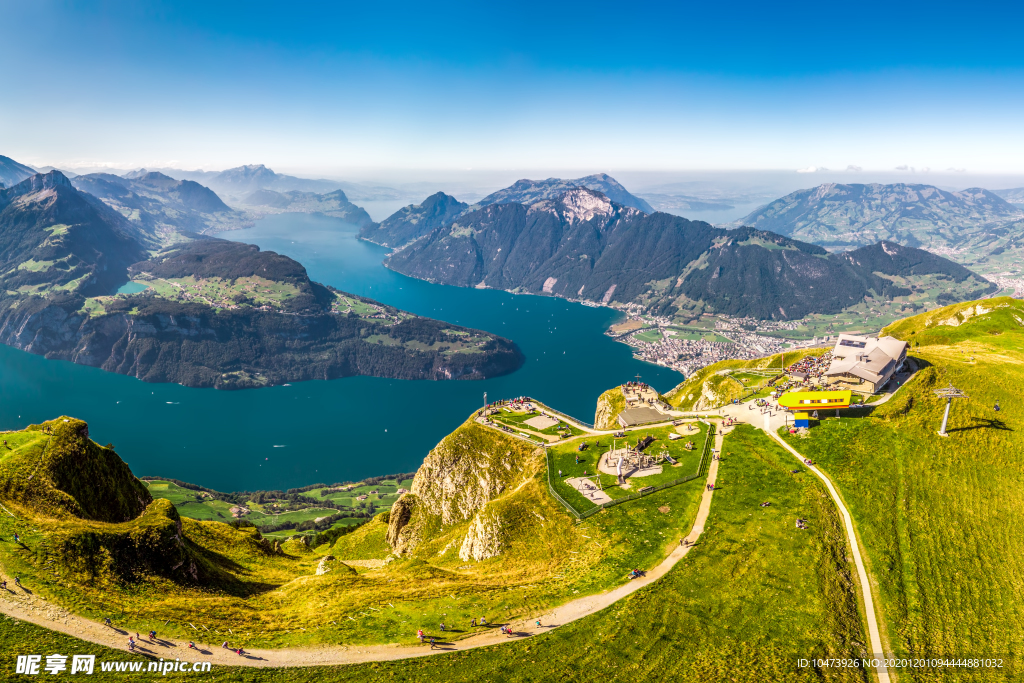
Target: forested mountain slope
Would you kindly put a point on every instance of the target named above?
(580, 245)
(211, 313)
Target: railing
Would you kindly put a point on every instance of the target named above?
(646, 491)
(702, 468)
(567, 417)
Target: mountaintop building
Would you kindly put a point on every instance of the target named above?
(868, 361)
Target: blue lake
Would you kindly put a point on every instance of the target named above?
(346, 429)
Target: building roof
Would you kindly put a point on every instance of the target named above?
(638, 416)
(868, 358)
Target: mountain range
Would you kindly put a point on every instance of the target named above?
(211, 313)
(334, 204)
(973, 227)
(582, 245)
(532, 191)
(12, 173)
(159, 204)
(417, 220)
(234, 184)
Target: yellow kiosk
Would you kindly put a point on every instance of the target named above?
(802, 402)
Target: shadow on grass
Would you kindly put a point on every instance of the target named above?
(983, 423)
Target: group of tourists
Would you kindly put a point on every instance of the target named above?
(812, 366)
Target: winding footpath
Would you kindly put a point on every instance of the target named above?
(874, 636)
(26, 606)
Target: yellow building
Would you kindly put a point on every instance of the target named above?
(813, 400)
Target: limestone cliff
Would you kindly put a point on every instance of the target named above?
(484, 538)
(609, 405)
(471, 467)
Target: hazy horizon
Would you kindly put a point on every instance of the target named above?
(594, 86)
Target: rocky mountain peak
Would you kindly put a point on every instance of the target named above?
(39, 183)
(580, 204)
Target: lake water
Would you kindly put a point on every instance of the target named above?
(345, 429)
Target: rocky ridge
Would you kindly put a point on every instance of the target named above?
(466, 478)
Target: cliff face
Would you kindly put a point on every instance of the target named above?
(609, 405)
(461, 480)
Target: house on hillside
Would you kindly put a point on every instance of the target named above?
(866, 361)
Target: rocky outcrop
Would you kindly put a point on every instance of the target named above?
(398, 522)
(459, 480)
(708, 397)
(484, 539)
(468, 469)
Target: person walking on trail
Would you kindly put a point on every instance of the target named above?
(17, 539)
(192, 645)
(152, 636)
(483, 621)
(538, 623)
(3, 584)
(472, 623)
(224, 645)
(442, 627)
(106, 622)
(432, 643)
(17, 580)
(240, 652)
(419, 634)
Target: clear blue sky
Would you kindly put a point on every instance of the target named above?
(332, 86)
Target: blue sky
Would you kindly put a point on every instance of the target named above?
(335, 87)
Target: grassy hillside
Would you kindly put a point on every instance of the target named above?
(942, 519)
(751, 598)
(971, 321)
(711, 387)
(110, 549)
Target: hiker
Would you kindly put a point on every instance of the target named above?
(224, 645)
(17, 580)
(152, 635)
(442, 627)
(483, 621)
(419, 634)
(106, 622)
(240, 652)
(131, 645)
(472, 622)
(538, 623)
(137, 637)
(17, 539)
(432, 644)
(192, 646)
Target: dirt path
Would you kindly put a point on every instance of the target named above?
(22, 604)
(874, 636)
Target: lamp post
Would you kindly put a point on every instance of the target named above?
(949, 393)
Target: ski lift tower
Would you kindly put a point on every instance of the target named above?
(949, 393)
